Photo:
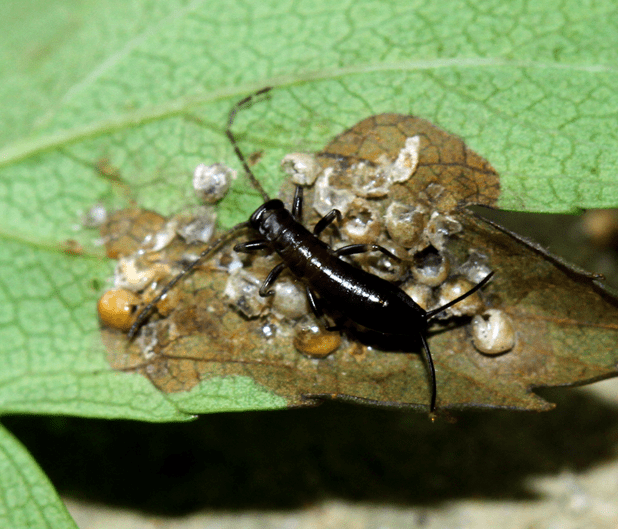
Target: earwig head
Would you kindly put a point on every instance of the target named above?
(263, 212)
(260, 219)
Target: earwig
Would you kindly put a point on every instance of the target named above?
(364, 298)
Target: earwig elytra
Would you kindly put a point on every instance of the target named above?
(365, 299)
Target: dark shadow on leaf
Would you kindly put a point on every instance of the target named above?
(278, 460)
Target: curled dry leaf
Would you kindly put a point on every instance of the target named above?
(407, 183)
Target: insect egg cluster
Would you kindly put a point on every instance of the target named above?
(151, 249)
(366, 193)
(333, 264)
(418, 233)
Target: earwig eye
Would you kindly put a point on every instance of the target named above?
(261, 214)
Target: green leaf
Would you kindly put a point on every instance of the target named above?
(28, 498)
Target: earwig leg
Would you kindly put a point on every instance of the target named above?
(362, 248)
(326, 221)
(313, 303)
(432, 373)
(251, 246)
(317, 310)
(297, 204)
(270, 279)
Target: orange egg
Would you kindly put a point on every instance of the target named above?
(316, 342)
(117, 308)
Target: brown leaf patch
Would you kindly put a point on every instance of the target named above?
(565, 326)
(444, 159)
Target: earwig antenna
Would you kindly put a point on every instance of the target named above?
(205, 253)
(431, 313)
(228, 131)
(226, 236)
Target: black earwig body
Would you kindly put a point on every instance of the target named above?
(363, 298)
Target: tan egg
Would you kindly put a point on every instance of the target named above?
(316, 342)
(117, 308)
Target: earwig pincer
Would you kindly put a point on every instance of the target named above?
(365, 299)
